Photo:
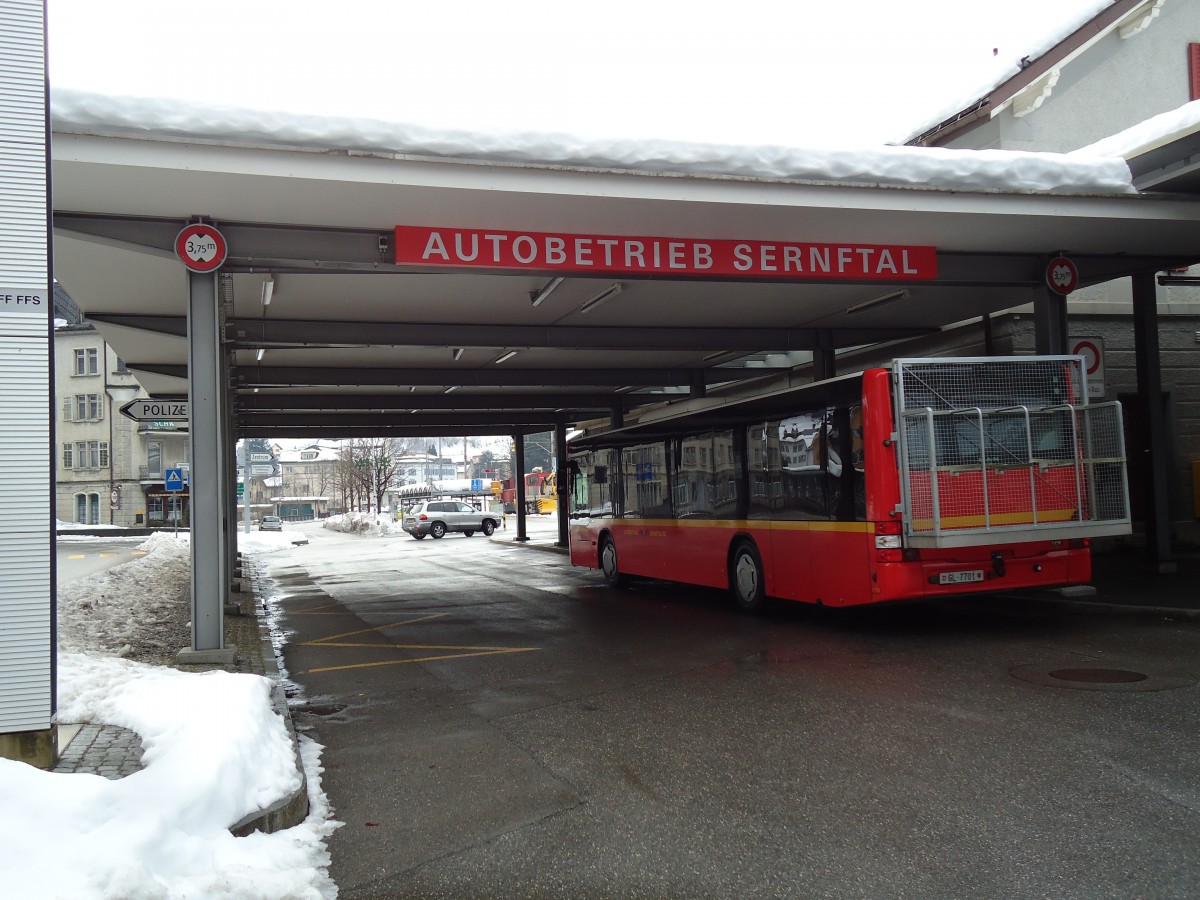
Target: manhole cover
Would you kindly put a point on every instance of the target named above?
(1098, 676)
(1094, 678)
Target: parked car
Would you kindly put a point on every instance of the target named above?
(436, 517)
(270, 523)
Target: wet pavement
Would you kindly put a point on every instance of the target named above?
(498, 723)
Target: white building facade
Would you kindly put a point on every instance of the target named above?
(110, 470)
(1134, 60)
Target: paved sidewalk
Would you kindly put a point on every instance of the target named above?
(115, 752)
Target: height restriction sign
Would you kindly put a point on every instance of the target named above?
(201, 248)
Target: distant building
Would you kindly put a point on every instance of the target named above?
(110, 470)
(1133, 60)
(309, 471)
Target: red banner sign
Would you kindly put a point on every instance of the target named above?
(534, 251)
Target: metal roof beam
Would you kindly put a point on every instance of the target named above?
(361, 430)
(295, 376)
(455, 401)
(431, 421)
(268, 333)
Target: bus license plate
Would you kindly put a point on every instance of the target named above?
(961, 577)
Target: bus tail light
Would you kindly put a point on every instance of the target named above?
(1079, 543)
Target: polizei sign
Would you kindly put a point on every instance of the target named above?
(621, 254)
(151, 410)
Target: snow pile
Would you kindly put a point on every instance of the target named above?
(1147, 135)
(215, 751)
(361, 523)
(142, 605)
(266, 541)
(915, 167)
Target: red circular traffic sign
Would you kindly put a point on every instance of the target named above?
(201, 248)
(1091, 355)
(1061, 275)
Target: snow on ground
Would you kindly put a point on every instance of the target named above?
(214, 752)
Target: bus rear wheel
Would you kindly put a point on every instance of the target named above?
(608, 563)
(746, 578)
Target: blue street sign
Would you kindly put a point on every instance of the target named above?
(477, 484)
(173, 480)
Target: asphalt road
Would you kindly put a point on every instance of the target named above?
(78, 558)
(499, 724)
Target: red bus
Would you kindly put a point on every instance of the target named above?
(927, 478)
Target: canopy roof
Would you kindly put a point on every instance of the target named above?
(358, 345)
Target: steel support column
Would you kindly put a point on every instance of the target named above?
(210, 582)
(519, 484)
(824, 364)
(562, 480)
(1154, 466)
(1050, 322)
(229, 487)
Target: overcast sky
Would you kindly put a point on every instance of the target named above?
(799, 73)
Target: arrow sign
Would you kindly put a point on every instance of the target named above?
(173, 479)
(150, 410)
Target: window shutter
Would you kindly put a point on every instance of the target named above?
(1194, 71)
(100, 406)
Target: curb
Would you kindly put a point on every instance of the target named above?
(292, 809)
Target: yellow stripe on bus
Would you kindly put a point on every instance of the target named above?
(1000, 519)
(740, 524)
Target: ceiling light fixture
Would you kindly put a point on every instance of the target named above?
(453, 387)
(536, 297)
(268, 289)
(890, 297)
(603, 297)
(260, 354)
(506, 356)
(458, 352)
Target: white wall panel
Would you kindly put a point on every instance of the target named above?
(26, 509)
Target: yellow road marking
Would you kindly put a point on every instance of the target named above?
(334, 637)
(423, 646)
(76, 555)
(401, 662)
(334, 640)
(316, 611)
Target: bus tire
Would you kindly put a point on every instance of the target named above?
(489, 527)
(746, 578)
(438, 530)
(608, 563)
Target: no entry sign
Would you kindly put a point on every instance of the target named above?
(201, 248)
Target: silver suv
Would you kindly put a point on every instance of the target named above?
(436, 517)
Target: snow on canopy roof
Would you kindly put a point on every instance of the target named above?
(1148, 135)
(911, 167)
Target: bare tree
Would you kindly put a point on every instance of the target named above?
(367, 468)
